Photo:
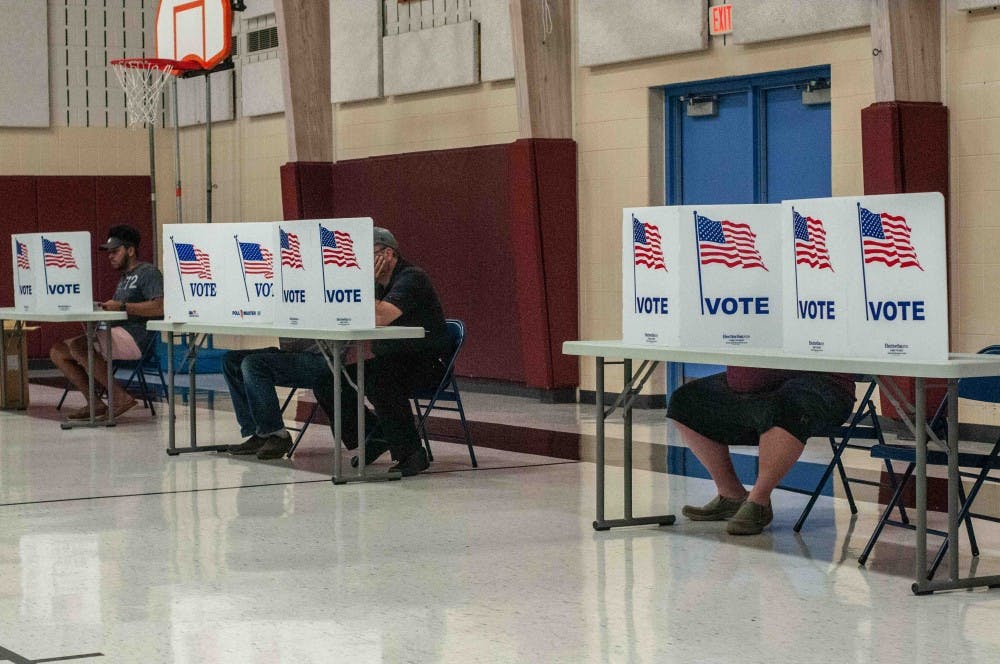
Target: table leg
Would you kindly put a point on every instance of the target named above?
(599, 421)
(626, 400)
(919, 422)
(953, 479)
(192, 357)
(89, 332)
(171, 422)
(363, 474)
(111, 377)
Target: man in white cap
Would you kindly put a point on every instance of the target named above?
(139, 293)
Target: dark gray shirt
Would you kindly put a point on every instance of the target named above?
(142, 283)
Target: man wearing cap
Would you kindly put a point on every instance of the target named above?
(404, 296)
(139, 293)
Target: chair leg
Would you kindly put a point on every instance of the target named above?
(863, 558)
(892, 483)
(838, 449)
(302, 430)
(422, 427)
(63, 397)
(465, 430)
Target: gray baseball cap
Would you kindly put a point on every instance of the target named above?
(385, 238)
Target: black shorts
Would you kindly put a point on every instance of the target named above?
(810, 404)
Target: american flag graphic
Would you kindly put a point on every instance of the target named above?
(886, 239)
(257, 260)
(22, 256)
(728, 242)
(290, 254)
(193, 260)
(810, 242)
(58, 254)
(646, 245)
(338, 248)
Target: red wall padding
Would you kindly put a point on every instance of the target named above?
(20, 215)
(494, 226)
(74, 203)
(905, 150)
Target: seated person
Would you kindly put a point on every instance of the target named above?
(775, 409)
(140, 294)
(404, 296)
(252, 376)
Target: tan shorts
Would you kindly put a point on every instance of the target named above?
(122, 344)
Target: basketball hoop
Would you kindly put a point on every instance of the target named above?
(143, 79)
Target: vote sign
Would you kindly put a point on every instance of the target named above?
(326, 273)
(52, 272)
(732, 293)
(651, 276)
(219, 273)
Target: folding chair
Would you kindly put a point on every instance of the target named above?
(843, 438)
(301, 430)
(148, 364)
(424, 401)
(978, 456)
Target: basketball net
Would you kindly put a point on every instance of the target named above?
(143, 79)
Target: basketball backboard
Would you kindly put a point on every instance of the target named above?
(194, 30)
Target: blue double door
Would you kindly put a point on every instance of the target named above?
(746, 140)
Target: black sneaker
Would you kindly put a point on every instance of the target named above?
(374, 448)
(249, 446)
(274, 447)
(414, 464)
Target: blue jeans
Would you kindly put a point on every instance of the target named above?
(252, 376)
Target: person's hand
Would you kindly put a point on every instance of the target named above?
(382, 269)
(113, 305)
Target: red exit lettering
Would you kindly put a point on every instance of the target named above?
(721, 19)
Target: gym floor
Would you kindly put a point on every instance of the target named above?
(112, 551)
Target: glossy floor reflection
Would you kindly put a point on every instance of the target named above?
(109, 546)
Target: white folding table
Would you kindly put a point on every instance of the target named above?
(331, 342)
(958, 365)
(90, 319)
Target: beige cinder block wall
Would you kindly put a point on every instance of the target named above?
(619, 129)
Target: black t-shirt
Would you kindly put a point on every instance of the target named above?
(411, 291)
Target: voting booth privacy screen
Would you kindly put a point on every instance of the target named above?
(707, 276)
(326, 273)
(861, 276)
(866, 276)
(52, 272)
(315, 274)
(219, 273)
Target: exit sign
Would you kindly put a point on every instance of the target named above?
(720, 20)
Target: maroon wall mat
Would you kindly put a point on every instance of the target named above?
(19, 215)
(905, 150)
(494, 226)
(74, 203)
